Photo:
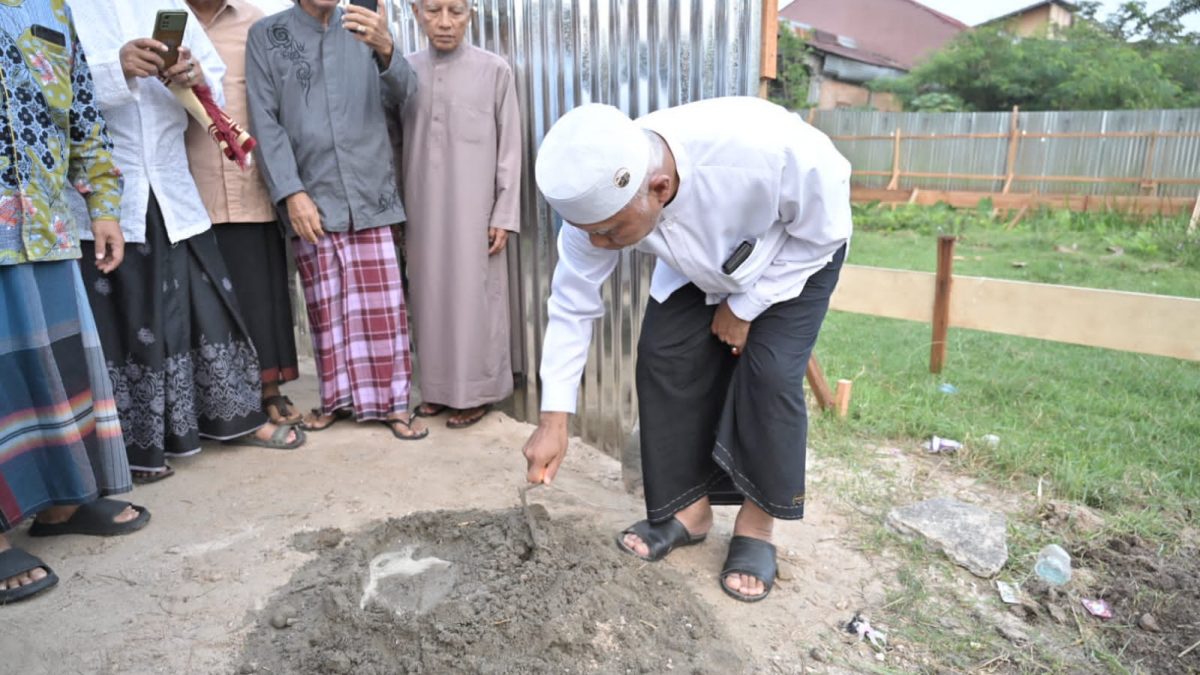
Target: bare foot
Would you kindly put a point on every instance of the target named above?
(23, 579)
(755, 523)
(697, 518)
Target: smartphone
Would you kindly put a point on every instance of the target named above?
(372, 5)
(739, 256)
(168, 29)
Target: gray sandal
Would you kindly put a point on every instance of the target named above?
(277, 441)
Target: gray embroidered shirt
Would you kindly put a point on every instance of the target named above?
(317, 97)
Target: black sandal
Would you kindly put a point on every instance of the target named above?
(473, 419)
(144, 477)
(96, 518)
(15, 562)
(751, 556)
(660, 538)
(391, 423)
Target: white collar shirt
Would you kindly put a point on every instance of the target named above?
(146, 121)
(748, 171)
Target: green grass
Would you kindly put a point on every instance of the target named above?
(1114, 430)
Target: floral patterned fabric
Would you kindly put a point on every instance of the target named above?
(51, 134)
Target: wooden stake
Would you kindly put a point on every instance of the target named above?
(818, 384)
(895, 182)
(941, 303)
(768, 54)
(1148, 185)
(912, 199)
(1017, 218)
(1195, 215)
(842, 396)
(1013, 142)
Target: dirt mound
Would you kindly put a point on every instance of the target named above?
(466, 591)
(1157, 598)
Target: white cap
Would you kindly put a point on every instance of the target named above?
(591, 163)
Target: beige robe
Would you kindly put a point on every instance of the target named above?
(461, 164)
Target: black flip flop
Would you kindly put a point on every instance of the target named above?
(438, 409)
(94, 518)
(751, 556)
(660, 538)
(338, 415)
(474, 419)
(148, 477)
(407, 424)
(13, 562)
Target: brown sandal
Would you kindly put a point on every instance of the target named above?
(286, 414)
(463, 423)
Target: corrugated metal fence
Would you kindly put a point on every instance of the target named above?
(639, 55)
(1154, 152)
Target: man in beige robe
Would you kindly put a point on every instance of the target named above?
(462, 168)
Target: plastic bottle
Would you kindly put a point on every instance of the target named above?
(1053, 565)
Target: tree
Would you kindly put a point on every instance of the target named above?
(1133, 59)
(790, 86)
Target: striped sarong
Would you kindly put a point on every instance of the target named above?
(359, 321)
(60, 437)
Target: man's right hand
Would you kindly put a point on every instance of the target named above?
(142, 57)
(305, 218)
(546, 448)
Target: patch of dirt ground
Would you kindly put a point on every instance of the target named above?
(468, 591)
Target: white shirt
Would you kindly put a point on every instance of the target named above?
(748, 171)
(145, 120)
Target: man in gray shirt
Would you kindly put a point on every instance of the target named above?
(318, 79)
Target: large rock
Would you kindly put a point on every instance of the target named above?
(973, 537)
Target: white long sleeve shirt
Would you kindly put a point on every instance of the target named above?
(748, 171)
(145, 120)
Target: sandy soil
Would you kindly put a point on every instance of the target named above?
(184, 594)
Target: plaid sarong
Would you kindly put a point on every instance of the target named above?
(358, 319)
(60, 437)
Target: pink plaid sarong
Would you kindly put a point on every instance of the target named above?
(359, 322)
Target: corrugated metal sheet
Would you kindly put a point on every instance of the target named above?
(1124, 157)
(641, 56)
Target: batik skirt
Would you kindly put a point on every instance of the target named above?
(60, 438)
(181, 363)
(359, 321)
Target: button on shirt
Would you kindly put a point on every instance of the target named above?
(317, 98)
(231, 194)
(748, 171)
(145, 119)
(51, 136)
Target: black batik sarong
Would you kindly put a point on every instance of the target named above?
(723, 426)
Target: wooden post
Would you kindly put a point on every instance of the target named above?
(818, 384)
(895, 182)
(768, 55)
(1014, 141)
(941, 303)
(1148, 185)
(812, 114)
(842, 396)
(1195, 215)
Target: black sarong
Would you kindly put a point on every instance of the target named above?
(724, 426)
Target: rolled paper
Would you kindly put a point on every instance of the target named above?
(234, 141)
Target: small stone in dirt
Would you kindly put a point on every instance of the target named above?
(283, 617)
(1010, 633)
(248, 668)
(1148, 622)
(338, 663)
(842, 604)
(1056, 612)
(817, 654)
